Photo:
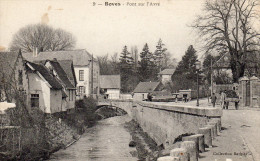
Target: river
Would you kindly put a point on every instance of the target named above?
(106, 141)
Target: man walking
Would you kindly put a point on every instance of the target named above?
(213, 99)
(223, 99)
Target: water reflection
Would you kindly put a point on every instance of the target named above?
(106, 141)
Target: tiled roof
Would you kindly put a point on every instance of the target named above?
(47, 76)
(7, 63)
(61, 74)
(67, 66)
(110, 81)
(167, 72)
(145, 87)
(80, 57)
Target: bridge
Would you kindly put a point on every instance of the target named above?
(166, 122)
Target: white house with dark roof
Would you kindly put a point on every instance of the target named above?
(166, 75)
(86, 68)
(68, 101)
(110, 86)
(143, 88)
(45, 91)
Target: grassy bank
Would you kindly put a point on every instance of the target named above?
(41, 134)
(145, 146)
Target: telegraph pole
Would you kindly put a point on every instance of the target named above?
(92, 71)
(211, 77)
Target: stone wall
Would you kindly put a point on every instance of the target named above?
(165, 122)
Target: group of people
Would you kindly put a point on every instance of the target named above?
(223, 102)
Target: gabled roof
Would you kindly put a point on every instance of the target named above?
(110, 81)
(80, 57)
(7, 63)
(146, 87)
(67, 66)
(54, 83)
(167, 72)
(61, 74)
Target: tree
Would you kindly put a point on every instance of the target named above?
(219, 76)
(159, 53)
(186, 65)
(184, 76)
(43, 37)
(226, 27)
(108, 66)
(126, 70)
(147, 69)
(134, 52)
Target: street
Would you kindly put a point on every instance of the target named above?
(240, 139)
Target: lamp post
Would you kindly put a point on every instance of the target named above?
(91, 85)
(198, 66)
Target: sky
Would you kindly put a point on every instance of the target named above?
(104, 29)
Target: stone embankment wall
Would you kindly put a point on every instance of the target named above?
(59, 134)
(166, 122)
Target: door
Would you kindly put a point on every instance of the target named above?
(34, 100)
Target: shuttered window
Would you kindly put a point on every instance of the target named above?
(81, 89)
(81, 75)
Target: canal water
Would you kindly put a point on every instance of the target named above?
(106, 141)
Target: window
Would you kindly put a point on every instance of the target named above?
(34, 100)
(81, 75)
(81, 89)
(20, 77)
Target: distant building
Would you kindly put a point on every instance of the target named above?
(110, 86)
(166, 75)
(143, 88)
(86, 68)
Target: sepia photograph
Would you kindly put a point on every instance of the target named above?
(130, 80)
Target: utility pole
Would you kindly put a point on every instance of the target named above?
(211, 77)
(92, 71)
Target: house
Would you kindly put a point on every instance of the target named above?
(13, 76)
(45, 90)
(143, 88)
(166, 75)
(110, 86)
(85, 66)
(69, 85)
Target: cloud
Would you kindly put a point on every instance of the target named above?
(45, 19)
(49, 8)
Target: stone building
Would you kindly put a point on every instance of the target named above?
(110, 86)
(85, 66)
(143, 88)
(12, 76)
(166, 75)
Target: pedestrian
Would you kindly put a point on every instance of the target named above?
(223, 99)
(236, 104)
(213, 99)
(150, 97)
